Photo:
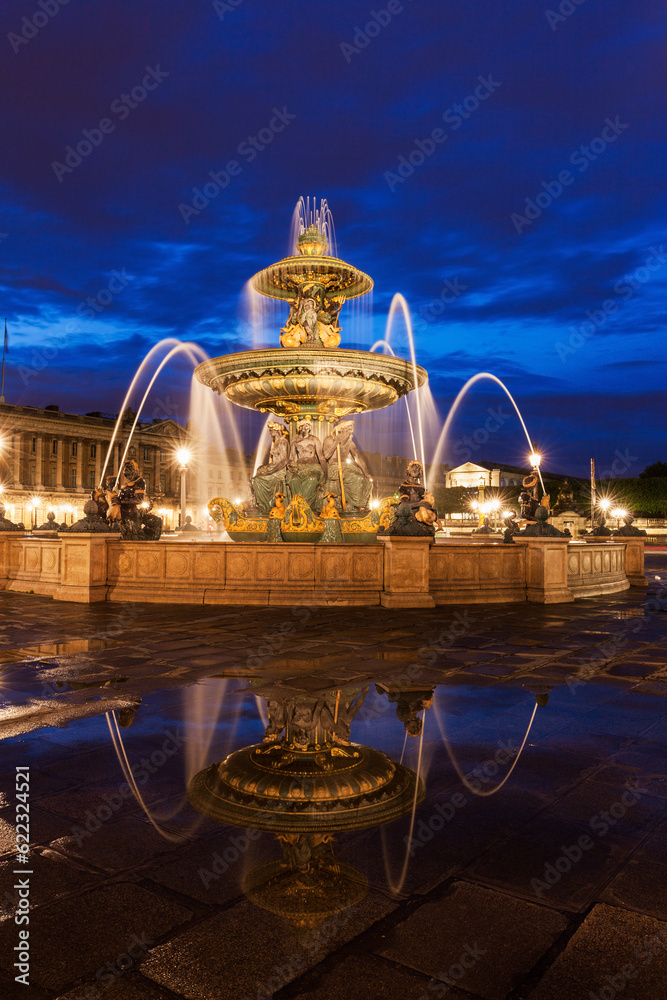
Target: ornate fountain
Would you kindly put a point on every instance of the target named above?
(315, 470)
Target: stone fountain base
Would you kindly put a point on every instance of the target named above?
(394, 572)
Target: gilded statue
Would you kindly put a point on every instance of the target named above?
(307, 467)
(348, 478)
(272, 477)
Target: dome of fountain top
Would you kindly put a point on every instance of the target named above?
(312, 264)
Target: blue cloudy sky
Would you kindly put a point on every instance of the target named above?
(525, 226)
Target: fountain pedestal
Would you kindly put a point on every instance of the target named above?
(634, 561)
(546, 570)
(406, 572)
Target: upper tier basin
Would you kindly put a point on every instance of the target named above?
(310, 380)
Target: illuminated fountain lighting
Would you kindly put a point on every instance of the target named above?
(309, 376)
(452, 413)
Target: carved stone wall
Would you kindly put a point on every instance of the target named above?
(597, 568)
(486, 572)
(397, 572)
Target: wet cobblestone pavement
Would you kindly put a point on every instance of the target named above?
(551, 886)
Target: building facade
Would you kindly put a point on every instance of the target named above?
(51, 460)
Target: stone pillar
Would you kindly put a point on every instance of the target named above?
(18, 458)
(81, 445)
(98, 461)
(634, 560)
(406, 573)
(39, 463)
(546, 570)
(59, 464)
(83, 568)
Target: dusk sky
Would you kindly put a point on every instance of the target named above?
(525, 226)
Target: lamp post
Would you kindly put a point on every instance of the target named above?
(604, 506)
(535, 458)
(480, 500)
(183, 456)
(618, 513)
(34, 503)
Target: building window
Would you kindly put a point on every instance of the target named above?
(93, 451)
(75, 447)
(54, 447)
(72, 477)
(148, 483)
(34, 445)
(147, 454)
(162, 486)
(91, 478)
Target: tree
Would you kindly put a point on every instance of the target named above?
(643, 497)
(657, 470)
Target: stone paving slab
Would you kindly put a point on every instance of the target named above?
(78, 935)
(641, 885)
(244, 951)
(115, 846)
(614, 953)
(543, 862)
(211, 871)
(369, 978)
(53, 876)
(481, 940)
(129, 986)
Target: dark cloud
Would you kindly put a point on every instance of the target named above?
(359, 114)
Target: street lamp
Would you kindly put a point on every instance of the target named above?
(183, 456)
(618, 513)
(480, 500)
(34, 503)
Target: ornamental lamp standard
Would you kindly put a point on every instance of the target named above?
(480, 500)
(604, 506)
(535, 458)
(183, 457)
(34, 503)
